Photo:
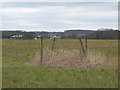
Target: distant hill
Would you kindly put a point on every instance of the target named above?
(78, 32)
(69, 32)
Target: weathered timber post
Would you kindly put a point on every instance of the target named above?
(86, 44)
(82, 46)
(53, 45)
(41, 49)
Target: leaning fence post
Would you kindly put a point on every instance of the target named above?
(86, 43)
(82, 46)
(53, 44)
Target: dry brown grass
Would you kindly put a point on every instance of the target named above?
(69, 58)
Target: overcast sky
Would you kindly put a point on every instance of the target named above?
(59, 16)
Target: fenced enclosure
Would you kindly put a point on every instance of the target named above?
(63, 53)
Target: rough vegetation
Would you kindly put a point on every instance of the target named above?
(69, 58)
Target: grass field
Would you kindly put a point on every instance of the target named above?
(16, 74)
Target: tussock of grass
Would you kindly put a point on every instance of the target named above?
(69, 58)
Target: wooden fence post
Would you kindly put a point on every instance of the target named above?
(82, 46)
(86, 43)
(53, 45)
(41, 49)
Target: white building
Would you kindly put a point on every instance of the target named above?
(16, 36)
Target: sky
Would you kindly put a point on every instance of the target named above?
(59, 16)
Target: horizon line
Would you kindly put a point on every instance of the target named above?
(33, 30)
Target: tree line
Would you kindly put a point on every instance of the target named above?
(104, 34)
(99, 34)
(24, 35)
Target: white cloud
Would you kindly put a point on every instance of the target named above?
(60, 17)
(59, 0)
(27, 23)
(75, 12)
(22, 22)
(43, 9)
(69, 21)
(20, 10)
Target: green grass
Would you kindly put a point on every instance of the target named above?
(18, 75)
